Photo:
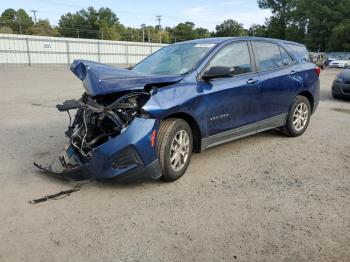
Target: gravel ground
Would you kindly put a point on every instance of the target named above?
(263, 198)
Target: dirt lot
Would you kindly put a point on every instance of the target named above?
(262, 198)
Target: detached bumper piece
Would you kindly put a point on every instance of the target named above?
(56, 196)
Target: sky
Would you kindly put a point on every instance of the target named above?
(204, 13)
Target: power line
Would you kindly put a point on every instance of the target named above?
(34, 12)
(159, 19)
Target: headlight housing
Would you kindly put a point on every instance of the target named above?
(339, 79)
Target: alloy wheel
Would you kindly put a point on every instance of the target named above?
(300, 116)
(179, 150)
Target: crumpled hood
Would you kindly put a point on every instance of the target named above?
(100, 79)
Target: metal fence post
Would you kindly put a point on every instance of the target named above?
(127, 54)
(68, 56)
(28, 52)
(98, 51)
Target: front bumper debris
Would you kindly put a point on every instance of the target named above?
(129, 156)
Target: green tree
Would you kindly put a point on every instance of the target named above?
(90, 23)
(230, 28)
(341, 37)
(324, 16)
(317, 23)
(258, 30)
(43, 27)
(201, 32)
(281, 10)
(182, 32)
(19, 21)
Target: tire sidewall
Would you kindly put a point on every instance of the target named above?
(170, 173)
(291, 129)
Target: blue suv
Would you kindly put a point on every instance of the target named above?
(147, 120)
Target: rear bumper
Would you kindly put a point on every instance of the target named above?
(129, 156)
(341, 89)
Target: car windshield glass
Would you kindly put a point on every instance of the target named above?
(174, 59)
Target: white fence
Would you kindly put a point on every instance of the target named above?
(43, 50)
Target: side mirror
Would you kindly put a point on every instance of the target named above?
(218, 72)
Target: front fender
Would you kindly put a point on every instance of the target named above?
(180, 98)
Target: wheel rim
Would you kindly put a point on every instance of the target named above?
(179, 150)
(300, 117)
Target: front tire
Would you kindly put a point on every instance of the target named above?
(298, 117)
(174, 147)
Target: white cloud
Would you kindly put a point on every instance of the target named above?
(197, 10)
(234, 2)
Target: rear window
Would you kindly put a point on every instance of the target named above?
(271, 56)
(301, 51)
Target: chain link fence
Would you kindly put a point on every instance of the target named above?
(42, 50)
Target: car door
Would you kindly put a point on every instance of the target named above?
(280, 79)
(232, 102)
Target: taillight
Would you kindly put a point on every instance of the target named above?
(318, 70)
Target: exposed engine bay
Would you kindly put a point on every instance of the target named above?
(101, 118)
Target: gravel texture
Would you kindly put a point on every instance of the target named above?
(262, 198)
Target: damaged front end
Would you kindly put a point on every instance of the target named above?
(96, 121)
(110, 135)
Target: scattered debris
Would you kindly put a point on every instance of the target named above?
(56, 196)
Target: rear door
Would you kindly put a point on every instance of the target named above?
(280, 79)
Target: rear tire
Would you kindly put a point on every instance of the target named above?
(174, 147)
(298, 117)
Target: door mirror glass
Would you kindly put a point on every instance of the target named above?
(218, 72)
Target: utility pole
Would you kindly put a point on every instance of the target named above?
(159, 19)
(34, 12)
(19, 22)
(143, 32)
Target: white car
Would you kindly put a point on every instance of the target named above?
(340, 63)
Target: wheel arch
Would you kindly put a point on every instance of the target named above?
(310, 97)
(196, 133)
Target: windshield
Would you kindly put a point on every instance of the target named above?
(174, 59)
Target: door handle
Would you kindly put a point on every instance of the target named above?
(292, 73)
(252, 81)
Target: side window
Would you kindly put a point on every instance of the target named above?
(301, 51)
(286, 59)
(234, 55)
(268, 56)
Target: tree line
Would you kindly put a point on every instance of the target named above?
(320, 24)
